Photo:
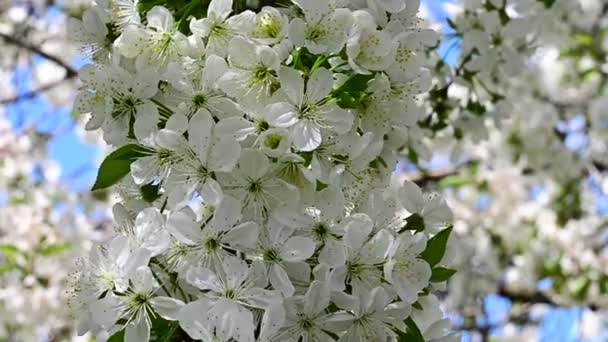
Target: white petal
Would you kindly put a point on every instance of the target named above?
(292, 84)
(146, 121)
(378, 300)
(330, 201)
(232, 320)
(132, 41)
(281, 114)
(168, 308)
(211, 191)
(105, 311)
(184, 228)
(224, 154)
(244, 235)
(375, 250)
(297, 248)
(298, 271)
(280, 281)
(178, 122)
(253, 164)
(306, 135)
(215, 67)
(236, 271)
(144, 169)
(199, 133)
(170, 140)
(150, 231)
(339, 119)
(220, 8)
(410, 197)
(204, 279)
(357, 231)
(226, 214)
(193, 319)
(272, 321)
(297, 32)
(261, 298)
(333, 253)
(160, 18)
(234, 127)
(143, 280)
(316, 298)
(319, 85)
(137, 331)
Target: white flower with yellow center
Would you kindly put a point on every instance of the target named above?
(219, 27)
(269, 26)
(306, 111)
(369, 49)
(404, 270)
(323, 30)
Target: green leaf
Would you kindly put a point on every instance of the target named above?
(547, 3)
(55, 248)
(455, 181)
(580, 287)
(117, 165)
(476, 108)
(435, 247)
(352, 93)
(150, 192)
(583, 39)
(9, 251)
(415, 222)
(321, 185)
(452, 24)
(412, 155)
(412, 333)
(603, 282)
(441, 274)
(118, 336)
(417, 305)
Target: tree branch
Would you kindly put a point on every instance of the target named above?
(33, 93)
(536, 297)
(70, 72)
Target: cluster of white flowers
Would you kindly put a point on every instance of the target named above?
(525, 103)
(43, 227)
(257, 145)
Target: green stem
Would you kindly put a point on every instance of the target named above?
(162, 285)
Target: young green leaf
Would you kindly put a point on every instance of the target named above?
(441, 274)
(412, 334)
(117, 165)
(414, 222)
(55, 248)
(435, 247)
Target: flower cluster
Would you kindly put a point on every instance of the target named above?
(525, 104)
(43, 227)
(257, 145)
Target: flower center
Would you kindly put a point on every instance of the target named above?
(231, 294)
(212, 244)
(199, 100)
(273, 141)
(320, 231)
(261, 126)
(306, 323)
(268, 25)
(255, 186)
(271, 255)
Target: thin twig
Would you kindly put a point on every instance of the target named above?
(71, 72)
